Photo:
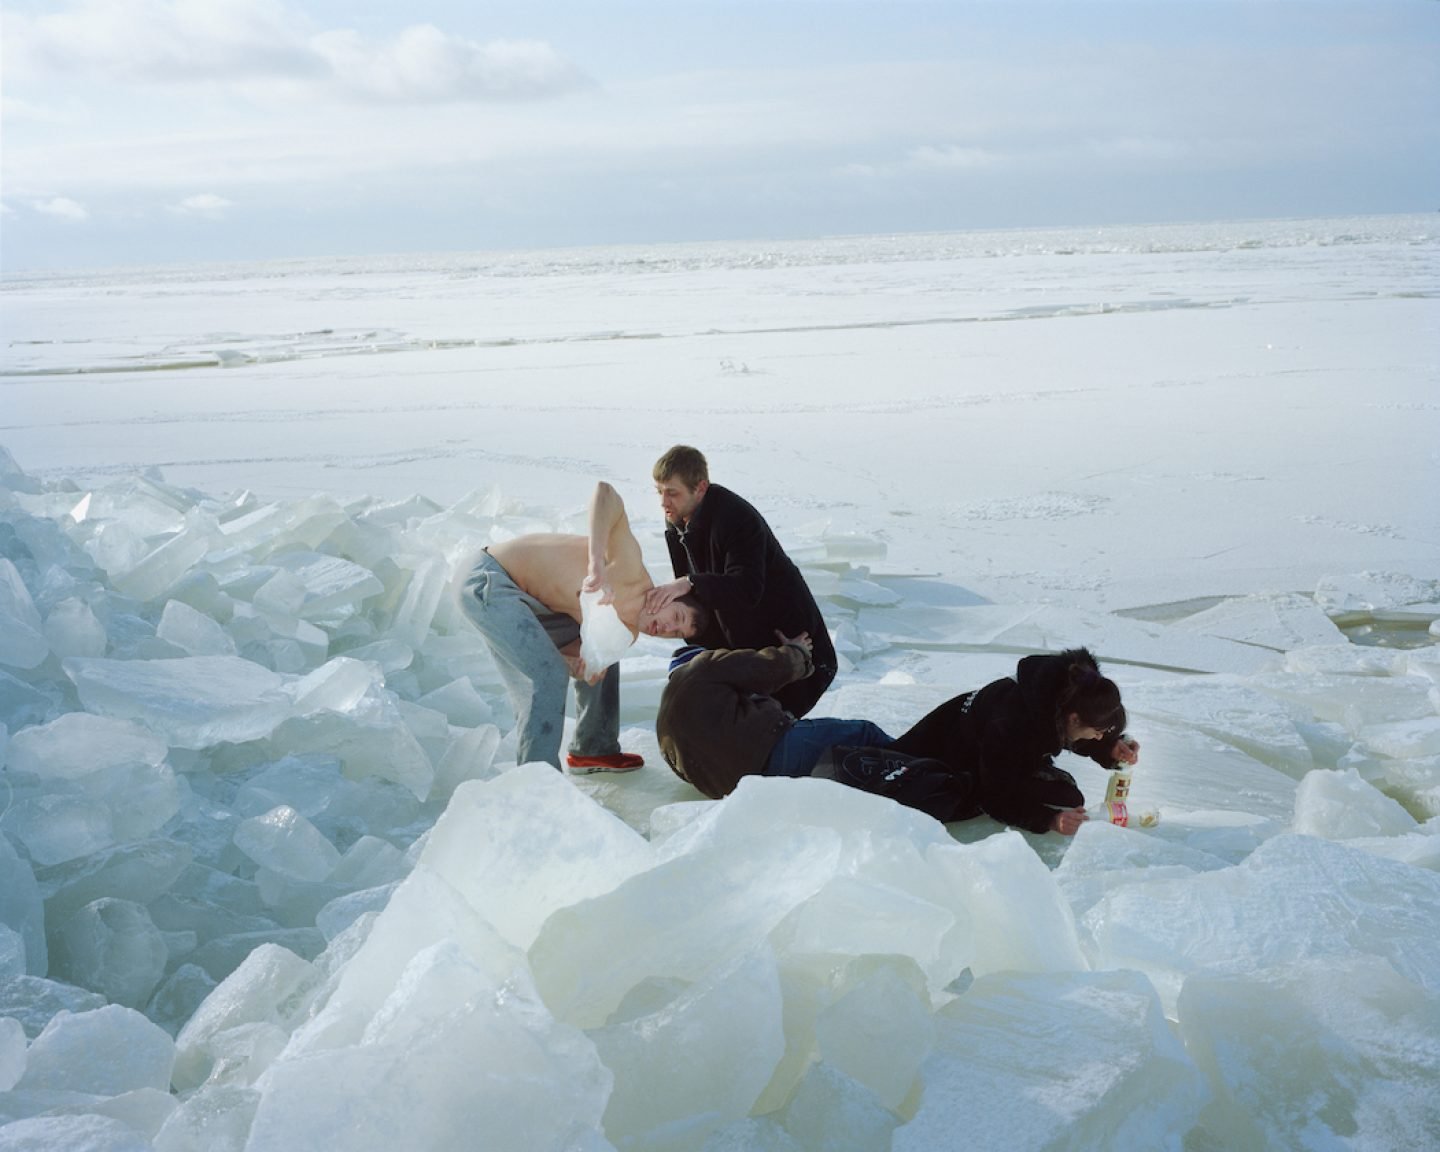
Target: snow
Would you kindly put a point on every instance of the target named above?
(270, 877)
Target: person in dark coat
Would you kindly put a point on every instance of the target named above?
(723, 551)
(719, 721)
(1008, 732)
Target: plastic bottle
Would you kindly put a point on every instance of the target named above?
(1116, 807)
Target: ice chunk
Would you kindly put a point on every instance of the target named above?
(175, 1001)
(213, 1119)
(193, 632)
(429, 581)
(830, 1110)
(1075, 1060)
(12, 1052)
(12, 952)
(878, 1033)
(147, 578)
(1342, 806)
(103, 1052)
(58, 827)
(1404, 739)
(22, 635)
(22, 909)
(112, 947)
(1361, 1055)
(317, 585)
(734, 1016)
(77, 744)
(604, 637)
(54, 1133)
(253, 994)
(1361, 593)
(138, 872)
(1281, 621)
(1007, 889)
(285, 842)
(194, 701)
(73, 629)
(528, 842)
(462, 705)
(1293, 898)
(477, 1054)
(34, 1001)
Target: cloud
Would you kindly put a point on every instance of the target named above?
(207, 206)
(253, 41)
(951, 156)
(61, 206)
(425, 64)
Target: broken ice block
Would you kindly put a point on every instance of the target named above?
(604, 638)
(78, 743)
(166, 564)
(112, 947)
(73, 629)
(193, 632)
(194, 701)
(104, 1052)
(285, 842)
(22, 635)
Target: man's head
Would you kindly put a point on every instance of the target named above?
(681, 478)
(682, 619)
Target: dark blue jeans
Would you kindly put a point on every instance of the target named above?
(799, 750)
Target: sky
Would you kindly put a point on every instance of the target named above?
(165, 131)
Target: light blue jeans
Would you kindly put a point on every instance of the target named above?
(798, 751)
(525, 638)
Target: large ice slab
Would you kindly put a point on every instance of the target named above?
(1081, 1060)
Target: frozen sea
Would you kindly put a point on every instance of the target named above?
(271, 879)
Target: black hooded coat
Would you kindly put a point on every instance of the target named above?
(1006, 734)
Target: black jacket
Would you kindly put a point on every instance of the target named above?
(743, 576)
(1006, 734)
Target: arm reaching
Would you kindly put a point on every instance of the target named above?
(612, 544)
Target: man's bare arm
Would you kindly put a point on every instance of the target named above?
(615, 555)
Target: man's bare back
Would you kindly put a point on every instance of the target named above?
(552, 567)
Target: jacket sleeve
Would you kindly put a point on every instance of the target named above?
(740, 539)
(1096, 750)
(761, 670)
(1019, 787)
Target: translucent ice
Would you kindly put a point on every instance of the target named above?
(193, 632)
(161, 567)
(1079, 1060)
(112, 947)
(12, 1052)
(1361, 1055)
(78, 743)
(103, 1052)
(662, 1098)
(193, 702)
(604, 638)
(831, 1110)
(285, 842)
(73, 629)
(1342, 806)
(22, 636)
(878, 1033)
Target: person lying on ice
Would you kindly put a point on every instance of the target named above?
(719, 721)
(1007, 734)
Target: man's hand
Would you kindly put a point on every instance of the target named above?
(595, 581)
(801, 641)
(1068, 820)
(663, 594)
(576, 667)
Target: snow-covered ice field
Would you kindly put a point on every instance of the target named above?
(270, 879)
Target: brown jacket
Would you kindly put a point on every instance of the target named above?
(717, 720)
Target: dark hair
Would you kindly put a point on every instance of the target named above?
(1093, 698)
(682, 463)
(703, 616)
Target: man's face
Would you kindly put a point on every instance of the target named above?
(675, 621)
(679, 502)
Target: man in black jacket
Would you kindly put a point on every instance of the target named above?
(722, 550)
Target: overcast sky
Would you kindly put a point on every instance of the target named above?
(156, 131)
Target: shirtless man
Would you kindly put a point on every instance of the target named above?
(524, 596)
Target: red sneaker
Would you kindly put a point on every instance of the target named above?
(615, 762)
